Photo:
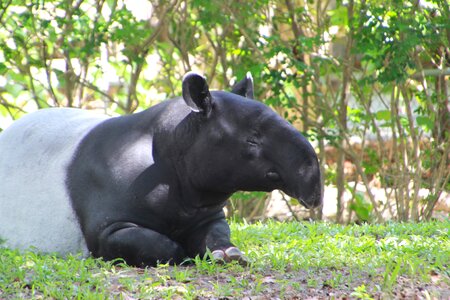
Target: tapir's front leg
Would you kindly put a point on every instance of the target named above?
(214, 236)
(138, 246)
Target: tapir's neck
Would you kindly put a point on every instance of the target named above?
(172, 138)
(194, 198)
(212, 199)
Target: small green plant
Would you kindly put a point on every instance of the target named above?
(361, 293)
(391, 274)
(361, 207)
(206, 264)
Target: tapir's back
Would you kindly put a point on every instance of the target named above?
(35, 209)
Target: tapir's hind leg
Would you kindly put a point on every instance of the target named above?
(139, 246)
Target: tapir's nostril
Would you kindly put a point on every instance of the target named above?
(274, 176)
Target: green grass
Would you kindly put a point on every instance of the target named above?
(288, 259)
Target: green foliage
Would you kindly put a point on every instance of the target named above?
(361, 207)
(357, 69)
(361, 293)
(247, 205)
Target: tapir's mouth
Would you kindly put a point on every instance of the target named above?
(306, 187)
(313, 201)
(304, 203)
(309, 205)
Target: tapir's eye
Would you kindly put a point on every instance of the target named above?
(252, 142)
(252, 149)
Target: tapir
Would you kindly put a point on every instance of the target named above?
(149, 187)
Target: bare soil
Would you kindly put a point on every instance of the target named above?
(305, 284)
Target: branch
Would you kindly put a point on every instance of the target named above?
(4, 7)
(247, 36)
(158, 26)
(10, 106)
(94, 88)
(283, 196)
(298, 31)
(141, 52)
(431, 72)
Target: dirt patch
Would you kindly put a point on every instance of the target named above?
(303, 284)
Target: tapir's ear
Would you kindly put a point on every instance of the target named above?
(244, 87)
(196, 93)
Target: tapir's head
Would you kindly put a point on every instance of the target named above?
(242, 144)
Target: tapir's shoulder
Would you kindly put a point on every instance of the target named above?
(163, 116)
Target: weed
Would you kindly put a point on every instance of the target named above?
(361, 293)
(391, 274)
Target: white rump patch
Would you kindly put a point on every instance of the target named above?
(35, 209)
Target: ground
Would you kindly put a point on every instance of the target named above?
(289, 260)
(244, 284)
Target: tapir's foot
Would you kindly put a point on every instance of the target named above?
(230, 254)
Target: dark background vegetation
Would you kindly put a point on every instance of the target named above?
(366, 80)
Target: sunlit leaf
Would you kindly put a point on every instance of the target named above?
(425, 122)
(383, 115)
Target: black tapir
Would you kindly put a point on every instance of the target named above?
(148, 187)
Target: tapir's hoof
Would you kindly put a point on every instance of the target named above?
(230, 254)
(233, 253)
(218, 255)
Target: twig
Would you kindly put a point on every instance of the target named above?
(283, 196)
(430, 72)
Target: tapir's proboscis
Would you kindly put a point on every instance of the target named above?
(151, 186)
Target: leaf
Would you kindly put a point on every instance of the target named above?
(3, 68)
(383, 115)
(361, 207)
(423, 121)
(14, 89)
(338, 16)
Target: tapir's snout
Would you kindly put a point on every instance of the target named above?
(317, 197)
(314, 198)
(305, 184)
(311, 177)
(308, 189)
